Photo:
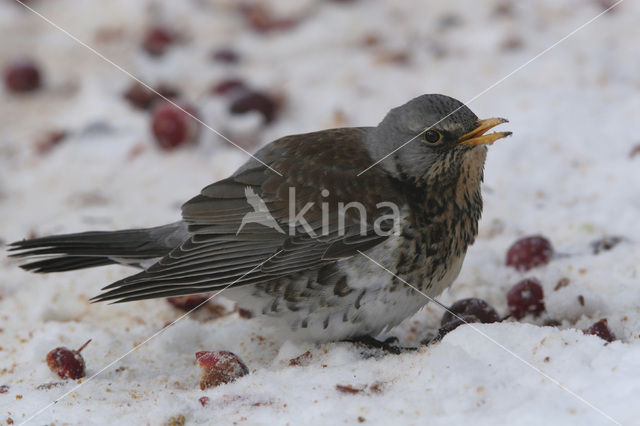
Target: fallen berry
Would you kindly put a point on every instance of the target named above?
(471, 307)
(226, 55)
(204, 400)
(167, 91)
(67, 364)
(229, 86)
(4, 388)
(157, 40)
(219, 367)
(529, 252)
(466, 311)
(141, 97)
(22, 76)
(172, 127)
(255, 101)
(526, 297)
(188, 303)
(605, 243)
(455, 323)
(601, 329)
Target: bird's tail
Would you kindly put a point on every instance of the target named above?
(97, 248)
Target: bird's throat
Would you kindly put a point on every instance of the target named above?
(443, 221)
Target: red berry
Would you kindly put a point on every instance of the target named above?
(455, 323)
(229, 86)
(138, 96)
(467, 311)
(187, 303)
(226, 55)
(172, 127)
(255, 101)
(529, 252)
(526, 297)
(157, 40)
(67, 364)
(471, 306)
(22, 76)
(167, 91)
(141, 97)
(601, 329)
(219, 367)
(204, 400)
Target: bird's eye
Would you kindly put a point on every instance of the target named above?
(432, 136)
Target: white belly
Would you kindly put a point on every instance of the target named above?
(373, 307)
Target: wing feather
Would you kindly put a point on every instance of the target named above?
(215, 254)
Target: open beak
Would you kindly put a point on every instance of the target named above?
(478, 137)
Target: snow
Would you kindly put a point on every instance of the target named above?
(566, 174)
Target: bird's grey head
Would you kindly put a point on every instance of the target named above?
(441, 129)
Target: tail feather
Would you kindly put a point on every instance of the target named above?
(97, 248)
(66, 263)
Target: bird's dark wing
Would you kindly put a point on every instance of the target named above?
(216, 254)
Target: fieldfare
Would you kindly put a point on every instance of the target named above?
(284, 234)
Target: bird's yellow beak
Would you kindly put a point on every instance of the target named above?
(477, 136)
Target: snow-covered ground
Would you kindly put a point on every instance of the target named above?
(566, 173)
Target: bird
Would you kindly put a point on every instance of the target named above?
(404, 195)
